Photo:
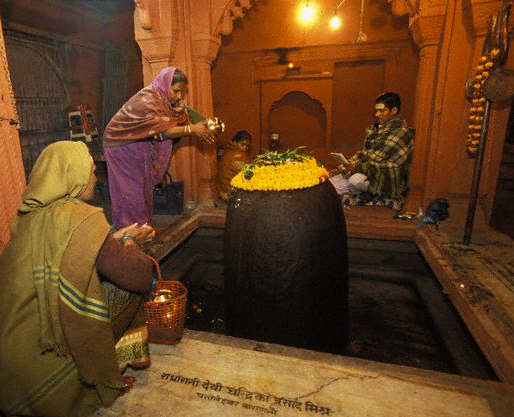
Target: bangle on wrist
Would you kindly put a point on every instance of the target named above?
(125, 238)
(187, 129)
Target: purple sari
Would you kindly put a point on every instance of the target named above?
(136, 151)
(134, 170)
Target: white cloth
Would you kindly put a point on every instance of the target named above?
(357, 183)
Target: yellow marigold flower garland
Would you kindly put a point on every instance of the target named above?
(484, 68)
(289, 175)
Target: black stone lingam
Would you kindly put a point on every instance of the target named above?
(286, 268)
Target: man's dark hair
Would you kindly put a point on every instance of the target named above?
(179, 77)
(390, 100)
(242, 135)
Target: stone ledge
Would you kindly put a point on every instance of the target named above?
(208, 374)
(479, 281)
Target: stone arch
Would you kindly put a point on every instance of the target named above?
(299, 119)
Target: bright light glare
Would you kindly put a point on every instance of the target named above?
(335, 22)
(307, 13)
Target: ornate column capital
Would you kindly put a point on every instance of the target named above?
(477, 14)
(205, 47)
(403, 7)
(233, 9)
(426, 30)
(142, 14)
(426, 19)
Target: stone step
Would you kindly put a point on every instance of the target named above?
(215, 375)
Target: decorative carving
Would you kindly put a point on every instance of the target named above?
(143, 14)
(235, 9)
(426, 30)
(478, 15)
(403, 7)
(426, 18)
(160, 44)
(205, 48)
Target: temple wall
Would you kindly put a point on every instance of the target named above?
(68, 41)
(453, 38)
(81, 30)
(12, 180)
(430, 74)
(343, 75)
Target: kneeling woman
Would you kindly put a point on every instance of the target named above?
(59, 320)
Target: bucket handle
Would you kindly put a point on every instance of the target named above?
(158, 269)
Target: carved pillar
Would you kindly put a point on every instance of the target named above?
(12, 177)
(187, 34)
(205, 49)
(157, 30)
(477, 14)
(427, 32)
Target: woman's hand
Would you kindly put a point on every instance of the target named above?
(140, 233)
(201, 130)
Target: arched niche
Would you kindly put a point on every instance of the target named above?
(299, 119)
(300, 110)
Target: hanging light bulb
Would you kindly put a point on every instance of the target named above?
(335, 22)
(307, 13)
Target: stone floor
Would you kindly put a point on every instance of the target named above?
(215, 375)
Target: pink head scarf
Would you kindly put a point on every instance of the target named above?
(163, 81)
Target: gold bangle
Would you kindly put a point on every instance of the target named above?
(188, 129)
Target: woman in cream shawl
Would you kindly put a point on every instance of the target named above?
(58, 320)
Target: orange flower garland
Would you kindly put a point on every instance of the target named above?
(484, 68)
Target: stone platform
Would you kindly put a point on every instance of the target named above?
(215, 375)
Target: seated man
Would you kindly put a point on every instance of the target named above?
(234, 157)
(381, 168)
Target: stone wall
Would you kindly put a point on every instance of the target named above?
(11, 168)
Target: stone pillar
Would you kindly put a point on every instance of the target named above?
(12, 176)
(187, 34)
(427, 32)
(478, 13)
(205, 49)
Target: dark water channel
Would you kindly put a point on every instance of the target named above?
(397, 310)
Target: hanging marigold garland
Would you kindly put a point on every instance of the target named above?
(486, 65)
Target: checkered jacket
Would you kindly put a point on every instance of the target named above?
(385, 158)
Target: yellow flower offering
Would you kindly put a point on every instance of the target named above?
(275, 171)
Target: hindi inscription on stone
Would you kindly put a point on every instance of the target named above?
(197, 379)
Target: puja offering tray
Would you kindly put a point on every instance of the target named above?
(165, 310)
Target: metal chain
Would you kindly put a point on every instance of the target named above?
(361, 37)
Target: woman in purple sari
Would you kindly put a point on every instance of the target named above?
(138, 144)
